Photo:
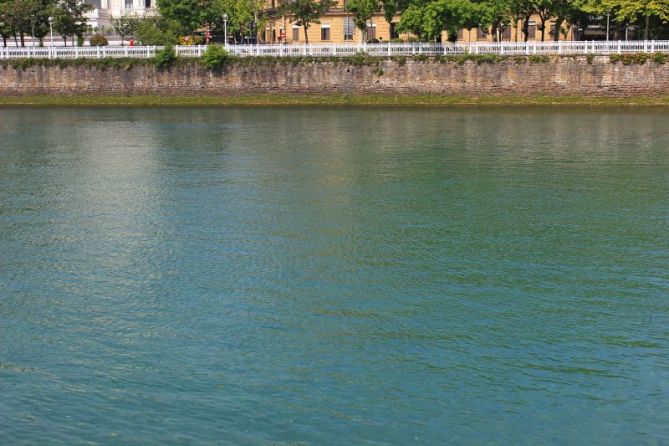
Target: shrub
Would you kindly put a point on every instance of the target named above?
(660, 58)
(157, 31)
(99, 40)
(215, 57)
(635, 59)
(165, 57)
(80, 40)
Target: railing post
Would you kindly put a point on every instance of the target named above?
(619, 49)
(97, 53)
(559, 47)
(389, 50)
(501, 48)
(652, 46)
(645, 46)
(527, 48)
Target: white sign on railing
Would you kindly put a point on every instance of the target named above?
(343, 50)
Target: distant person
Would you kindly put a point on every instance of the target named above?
(131, 42)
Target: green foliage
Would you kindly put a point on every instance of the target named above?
(165, 57)
(157, 31)
(190, 14)
(305, 12)
(23, 17)
(99, 40)
(363, 11)
(660, 58)
(538, 59)
(638, 58)
(125, 26)
(429, 20)
(215, 57)
(101, 64)
(69, 18)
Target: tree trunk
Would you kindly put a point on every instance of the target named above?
(4, 41)
(306, 36)
(526, 28)
(16, 41)
(65, 40)
(645, 34)
(558, 28)
(23, 40)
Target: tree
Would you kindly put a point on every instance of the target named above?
(545, 10)
(431, 19)
(306, 12)
(523, 10)
(498, 16)
(125, 26)
(243, 16)
(632, 10)
(363, 11)
(471, 15)
(190, 14)
(18, 15)
(157, 31)
(69, 19)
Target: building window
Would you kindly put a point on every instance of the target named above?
(147, 3)
(393, 31)
(506, 33)
(371, 32)
(128, 4)
(325, 31)
(296, 33)
(531, 29)
(349, 28)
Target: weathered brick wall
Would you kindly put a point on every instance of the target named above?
(563, 76)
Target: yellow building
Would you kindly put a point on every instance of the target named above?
(337, 26)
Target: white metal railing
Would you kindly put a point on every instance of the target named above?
(342, 50)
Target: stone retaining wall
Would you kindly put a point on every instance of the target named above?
(560, 76)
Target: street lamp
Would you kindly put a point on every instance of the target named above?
(608, 18)
(51, 28)
(225, 29)
(627, 28)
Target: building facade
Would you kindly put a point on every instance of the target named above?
(105, 10)
(337, 26)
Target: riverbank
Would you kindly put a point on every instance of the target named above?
(570, 80)
(333, 100)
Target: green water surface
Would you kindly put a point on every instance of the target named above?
(351, 276)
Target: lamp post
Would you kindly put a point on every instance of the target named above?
(225, 29)
(608, 18)
(51, 28)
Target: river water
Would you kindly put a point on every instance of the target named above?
(334, 276)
